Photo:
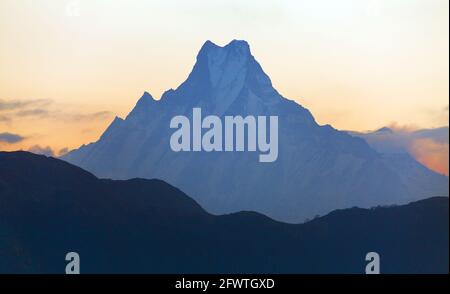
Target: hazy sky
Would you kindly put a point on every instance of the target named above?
(67, 67)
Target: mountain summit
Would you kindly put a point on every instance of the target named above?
(221, 66)
(319, 169)
(224, 78)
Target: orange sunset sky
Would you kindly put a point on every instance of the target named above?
(69, 66)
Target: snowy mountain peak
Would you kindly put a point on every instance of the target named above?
(239, 43)
(146, 96)
(319, 169)
(235, 47)
(145, 101)
(223, 79)
(239, 47)
(223, 65)
(142, 106)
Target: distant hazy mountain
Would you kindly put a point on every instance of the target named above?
(428, 146)
(49, 207)
(318, 169)
(387, 140)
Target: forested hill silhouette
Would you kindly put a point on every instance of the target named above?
(49, 207)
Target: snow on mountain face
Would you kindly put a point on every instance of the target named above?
(227, 66)
(318, 169)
